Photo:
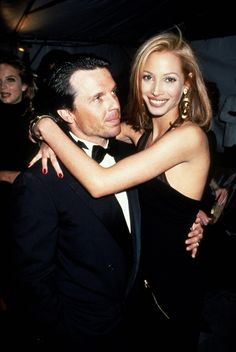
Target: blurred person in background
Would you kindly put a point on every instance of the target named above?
(17, 90)
(48, 64)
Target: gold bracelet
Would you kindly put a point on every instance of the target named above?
(32, 124)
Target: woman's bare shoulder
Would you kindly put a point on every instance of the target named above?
(192, 132)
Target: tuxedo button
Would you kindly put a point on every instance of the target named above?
(110, 267)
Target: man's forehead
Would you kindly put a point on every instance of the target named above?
(99, 78)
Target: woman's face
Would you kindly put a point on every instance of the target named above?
(162, 83)
(11, 86)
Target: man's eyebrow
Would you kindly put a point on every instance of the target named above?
(98, 93)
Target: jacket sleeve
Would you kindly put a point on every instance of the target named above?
(34, 232)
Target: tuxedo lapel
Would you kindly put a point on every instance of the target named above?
(120, 151)
(135, 219)
(107, 209)
(103, 207)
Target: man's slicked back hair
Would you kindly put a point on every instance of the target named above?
(62, 94)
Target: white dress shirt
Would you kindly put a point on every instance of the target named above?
(106, 162)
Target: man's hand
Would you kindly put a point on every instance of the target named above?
(221, 195)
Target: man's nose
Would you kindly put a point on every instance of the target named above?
(115, 102)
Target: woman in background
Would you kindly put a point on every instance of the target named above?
(17, 90)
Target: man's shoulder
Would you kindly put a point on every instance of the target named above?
(36, 172)
(33, 182)
(122, 148)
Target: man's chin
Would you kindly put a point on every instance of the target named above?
(114, 131)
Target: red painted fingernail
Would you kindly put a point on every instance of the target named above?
(60, 175)
(44, 171)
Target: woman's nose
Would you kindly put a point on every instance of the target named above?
(155, 90)
(3, 84)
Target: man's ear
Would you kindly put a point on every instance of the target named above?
(66, 115)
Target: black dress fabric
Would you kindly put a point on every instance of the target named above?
(16, 150)
(172, 274)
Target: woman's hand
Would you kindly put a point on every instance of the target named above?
(204, 218)
(45, 153)
(195, 235)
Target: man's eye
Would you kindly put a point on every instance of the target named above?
(115, 91)
(97, 98)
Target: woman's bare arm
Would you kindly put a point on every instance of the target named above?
(129, 171)
(127, 134)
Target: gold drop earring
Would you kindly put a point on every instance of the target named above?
(185, 104)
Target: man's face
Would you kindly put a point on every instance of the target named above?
(97, 109)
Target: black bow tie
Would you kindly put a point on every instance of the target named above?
(98, 152)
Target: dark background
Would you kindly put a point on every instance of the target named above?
(111, 21)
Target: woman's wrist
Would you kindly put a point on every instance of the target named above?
(34, 127)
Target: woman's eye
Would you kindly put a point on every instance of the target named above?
(147, 77)
(11, 80)
(170, 79)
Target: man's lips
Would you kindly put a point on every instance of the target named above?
(114, 117)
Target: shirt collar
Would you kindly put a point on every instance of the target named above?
(88, 144)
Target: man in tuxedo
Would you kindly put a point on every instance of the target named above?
(77, 257)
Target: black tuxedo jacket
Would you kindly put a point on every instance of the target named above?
(74, 264)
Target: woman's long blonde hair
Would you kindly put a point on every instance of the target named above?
(136, 113)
